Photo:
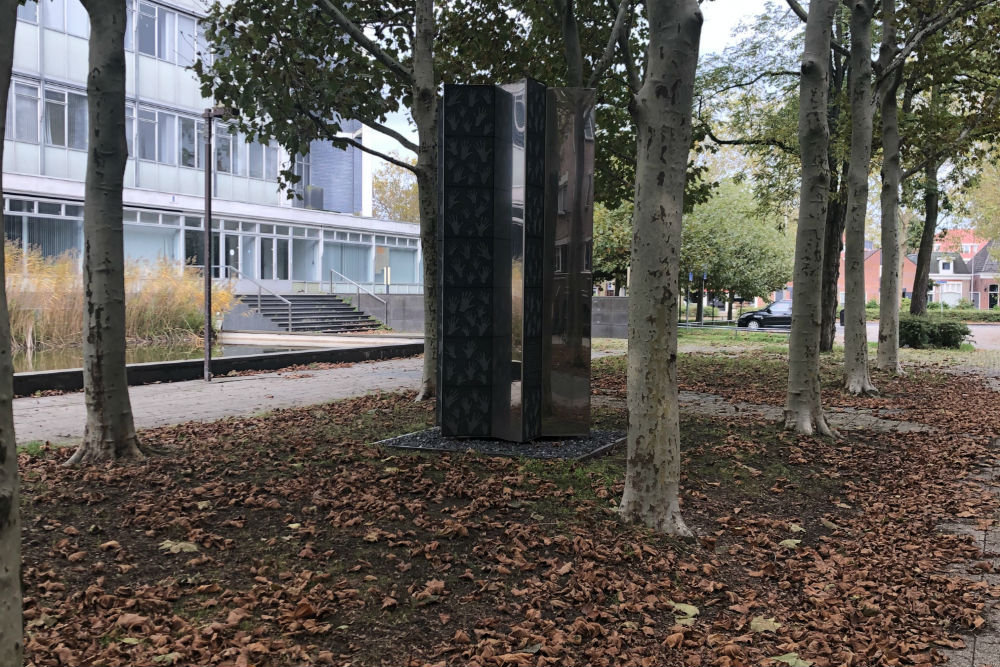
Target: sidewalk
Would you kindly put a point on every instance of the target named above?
(62, 418)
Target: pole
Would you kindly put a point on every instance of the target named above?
(208, 244)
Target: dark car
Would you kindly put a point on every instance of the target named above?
(778, 314)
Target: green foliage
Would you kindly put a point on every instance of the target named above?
(612, 243)
(291, 75)
(872, 303)
(394, 193)
(741, 249)
(528, 34)
(920, 331)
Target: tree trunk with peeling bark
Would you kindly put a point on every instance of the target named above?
(662, 110)
(109, 434)
(857, 379)
(424, 111)
(11, 618)
(803, 407)
(887, 358)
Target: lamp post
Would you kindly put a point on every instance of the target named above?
(209, 115)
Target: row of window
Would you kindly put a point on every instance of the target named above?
(164, 137)
(144, 217)
(152, 30)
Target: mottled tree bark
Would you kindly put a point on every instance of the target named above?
(856, 376)
(109, 434)
(922, 275)
(662, 110)
(803, 407)
(424, 112)
(887, 358)
(11, 619)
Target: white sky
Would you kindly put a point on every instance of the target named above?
(721, 18)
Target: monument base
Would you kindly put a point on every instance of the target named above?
(576, 448)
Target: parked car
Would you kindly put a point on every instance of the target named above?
(778, 314)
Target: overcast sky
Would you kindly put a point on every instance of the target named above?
(721, 17)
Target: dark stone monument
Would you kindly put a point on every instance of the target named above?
(516, 203)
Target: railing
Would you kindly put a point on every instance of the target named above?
(260, 289)
(359, 288)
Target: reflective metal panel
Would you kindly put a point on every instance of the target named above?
(568, 282)
(523, 419)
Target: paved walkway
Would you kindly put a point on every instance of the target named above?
(61, 418)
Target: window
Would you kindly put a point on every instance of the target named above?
(189, 147)
(187, 40)
(147, 135)
(223, 149)
(147, 29)
(129, 127)
(66, 119)
(28, 11)
(302, 169)
(67, 16)
(945, 267)
(167, 35)
(255, 160)
(166, 131)
(22, 113)
(129, 24)
(270, 163)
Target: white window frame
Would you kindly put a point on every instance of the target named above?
(73, 20)
(947, 266)
(23, 89)
(65, 104)
(170, 28)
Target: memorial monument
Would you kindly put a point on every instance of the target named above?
(515, 242)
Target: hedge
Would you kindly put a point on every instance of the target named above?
(950, 314)
(921, 331)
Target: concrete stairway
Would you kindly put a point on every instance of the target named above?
(313, 312)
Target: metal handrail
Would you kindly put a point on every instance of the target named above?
(385, 304)
(262, 288)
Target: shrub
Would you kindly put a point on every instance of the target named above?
(45, 298)
(920, 332)
(872, 304)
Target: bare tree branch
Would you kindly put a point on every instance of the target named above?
(744, 84)
(634, 81)
(746, 141)
(335, 138)
(803, 15)
(621, 21)
(389, 132)
(358, 35)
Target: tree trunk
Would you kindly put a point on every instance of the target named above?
(803, 407)
(729, 314)
(856, 376)
(889, 298)
(11, 620)
(699, 311)
(109, 434)
(832, 245)
(424, 112)
(833, 234)
(921, 277)
(662, 113)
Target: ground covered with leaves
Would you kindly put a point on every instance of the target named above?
(289, 539)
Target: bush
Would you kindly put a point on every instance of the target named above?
(872, 304)
(921, 332)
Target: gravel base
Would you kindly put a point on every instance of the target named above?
(579, 448)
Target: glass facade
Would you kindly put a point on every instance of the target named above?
(271, 239)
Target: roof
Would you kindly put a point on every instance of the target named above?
(984, 261)
(961, 267)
